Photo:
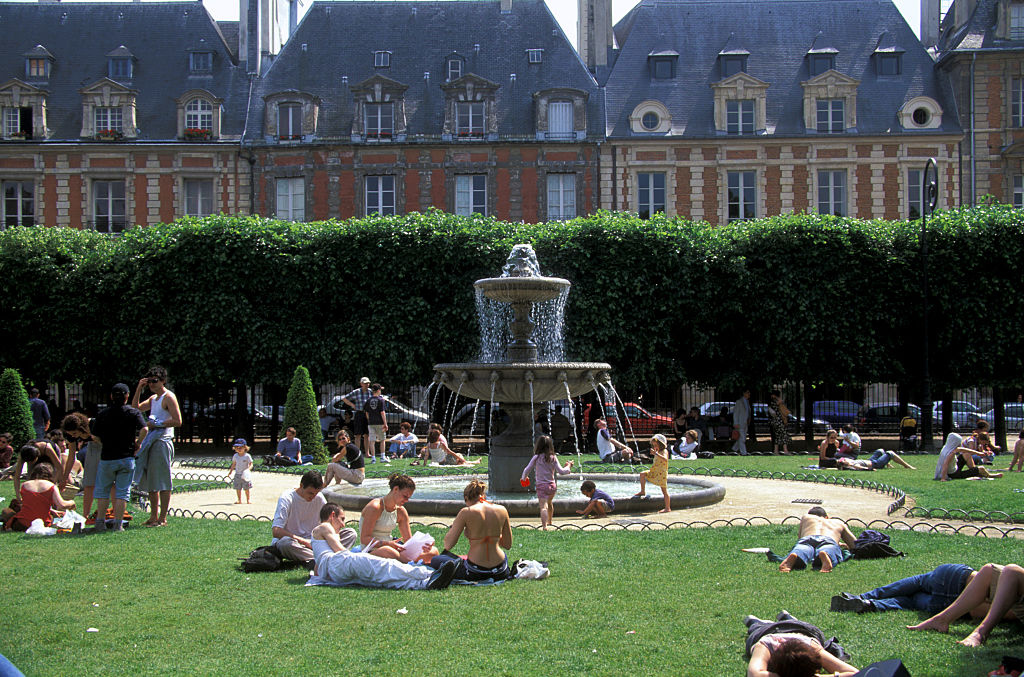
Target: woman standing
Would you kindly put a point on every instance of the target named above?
(778, 420)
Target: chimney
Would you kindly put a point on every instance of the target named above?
(594, 31)
(929, 23)
(506, 6)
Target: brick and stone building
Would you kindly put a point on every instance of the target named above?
(118, 114)
(395, 107)
(980, 49)
(721, 110)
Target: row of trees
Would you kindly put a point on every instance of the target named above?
(809, 298)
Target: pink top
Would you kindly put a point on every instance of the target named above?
(545, 469)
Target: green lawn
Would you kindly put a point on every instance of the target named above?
(656, 602)
(661, 602)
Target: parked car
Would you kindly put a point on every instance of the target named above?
(1014, 415)
(761, 426)
(885, 417)
(396, 413)
(965, 414)
(641, 422)
(836, 412)
(220, 417)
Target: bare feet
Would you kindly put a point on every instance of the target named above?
(639, 494)
(787, 564)
(664, 510)
(238, 502)
(973, 639)
(826, 563)
(930, 624)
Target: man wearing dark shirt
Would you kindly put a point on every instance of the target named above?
(121, 429)
(376, 422)
(40, 415)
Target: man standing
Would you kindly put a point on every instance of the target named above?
(157, 452)
(121, 429)
(741, 421)
(40, 415)
(360, 431)
(376, 421)
(819, 541)
(298, 511)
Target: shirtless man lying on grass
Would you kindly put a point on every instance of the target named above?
(819, 542)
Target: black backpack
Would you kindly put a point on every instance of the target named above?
(264, 558)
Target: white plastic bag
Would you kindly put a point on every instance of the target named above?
(69, 520)
(37, 529)
(528, 568)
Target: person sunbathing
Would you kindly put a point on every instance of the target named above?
(1001, 587)
(818, 542)
(789, 647)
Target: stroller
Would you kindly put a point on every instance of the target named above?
(908, 434)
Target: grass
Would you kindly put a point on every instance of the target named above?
(659, 602)
(171, 600)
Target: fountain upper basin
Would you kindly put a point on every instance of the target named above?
(511, 380)
(521, 289)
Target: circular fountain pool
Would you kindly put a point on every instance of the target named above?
(443, 495)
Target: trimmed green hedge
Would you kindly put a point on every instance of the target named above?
(665, 301)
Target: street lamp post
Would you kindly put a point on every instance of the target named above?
(929, 198)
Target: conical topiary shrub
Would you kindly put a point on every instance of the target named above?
(15, 412)
(300, 412)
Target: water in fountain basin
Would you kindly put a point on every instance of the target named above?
(450, 488)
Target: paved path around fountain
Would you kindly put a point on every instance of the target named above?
(744, 498)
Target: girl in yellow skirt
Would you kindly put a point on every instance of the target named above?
(658, 473)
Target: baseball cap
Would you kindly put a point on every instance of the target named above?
(363, 380)
(240, 442)
(119, 389)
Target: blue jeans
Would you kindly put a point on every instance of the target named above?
(117, 474)
(880, 459)
(808, 548)
(929, 592)
(402, 450)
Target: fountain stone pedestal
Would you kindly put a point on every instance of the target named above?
(522, 382)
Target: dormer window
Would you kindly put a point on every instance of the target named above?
(200, 62)
(830, 103)
(561, 114)
(119, 68)
(733, 64)
(380, 120)
(535, 55)
(1017, 21)
(382, 59)
(198, 115)
(289, 121)
(37, 63)
(469, 108)
(469, 120)
(454, 68)
(889, 64)
(662, 64)
(820, 63)
(37, 68)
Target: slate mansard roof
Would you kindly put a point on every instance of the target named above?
(337, 40)
(159, 36)
(978, 32)
(778, 35)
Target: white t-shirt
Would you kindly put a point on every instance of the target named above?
(297, 515)
(686, 449)
(852, 440)
(604, 444)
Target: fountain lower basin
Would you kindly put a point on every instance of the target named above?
(689, 492)
(511, 381)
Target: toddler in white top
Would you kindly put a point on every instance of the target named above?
(241, 463)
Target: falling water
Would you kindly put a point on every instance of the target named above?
(625, 415)
(472, 426)
(533, 426)
(450, 413)
(495, 319)
(490, 419)
(575, 437)
(437, 395)
(549, 318)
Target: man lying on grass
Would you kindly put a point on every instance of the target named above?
(340, 566)
(818, 542)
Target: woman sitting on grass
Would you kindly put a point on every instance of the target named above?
(379, 518)
(789, 647)
(828, 449)
(658, 473)
(38, 496)
(487, 529)
(954, 452)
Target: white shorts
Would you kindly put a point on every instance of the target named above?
(377, 433)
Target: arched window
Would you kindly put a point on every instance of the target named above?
(199, 115)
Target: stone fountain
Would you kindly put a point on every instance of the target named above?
(522, 381)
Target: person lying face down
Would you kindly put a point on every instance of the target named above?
(818, 542)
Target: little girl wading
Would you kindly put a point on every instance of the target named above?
(545, 466)
(658, 473)
(241, 463)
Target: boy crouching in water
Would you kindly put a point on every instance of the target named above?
(600, 502)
